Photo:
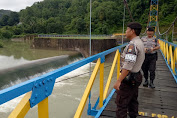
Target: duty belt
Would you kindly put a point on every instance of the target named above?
(150, 53)
(131, 78)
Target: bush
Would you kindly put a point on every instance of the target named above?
(1, 44)
(6, 34)
(18, 36)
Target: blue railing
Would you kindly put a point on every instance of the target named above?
(42, 86)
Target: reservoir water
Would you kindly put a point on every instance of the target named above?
(19, 63)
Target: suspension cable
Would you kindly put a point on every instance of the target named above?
(90, 47)
(168, 28)
(125, 2)
(147, 24)
(123, 25)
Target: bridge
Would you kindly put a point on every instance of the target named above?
(159, 102)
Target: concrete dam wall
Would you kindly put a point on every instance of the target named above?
(81, 45)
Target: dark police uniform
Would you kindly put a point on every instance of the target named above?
(133, 57)
(149, 64)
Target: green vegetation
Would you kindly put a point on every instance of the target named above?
(18, 36)
(4, 12)
(72, 17)
(170, 37)
(1, 44)
(9, 20)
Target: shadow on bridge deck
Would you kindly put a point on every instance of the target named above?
(160, 102)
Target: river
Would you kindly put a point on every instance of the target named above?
(20, 63)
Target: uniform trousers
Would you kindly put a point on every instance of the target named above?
(127, 99)
(149, 65)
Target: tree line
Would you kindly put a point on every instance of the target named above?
(72, 17)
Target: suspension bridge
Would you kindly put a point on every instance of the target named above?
(160, 102)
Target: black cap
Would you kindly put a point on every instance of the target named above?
(134, 25)
(150, 29)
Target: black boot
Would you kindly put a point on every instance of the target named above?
(145, 83)
(132, 116)
(151, 85)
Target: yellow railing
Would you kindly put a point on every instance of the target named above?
(24, 106)
(170, 53)
(91, 81)
(119, 34)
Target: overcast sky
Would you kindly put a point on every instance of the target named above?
(16, 5)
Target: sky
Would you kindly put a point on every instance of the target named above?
(16, 5)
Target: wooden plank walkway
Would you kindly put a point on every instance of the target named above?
(160, 102)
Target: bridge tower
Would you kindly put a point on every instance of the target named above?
(153, 14)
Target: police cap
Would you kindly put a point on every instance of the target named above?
(150, 29)
(134, 25)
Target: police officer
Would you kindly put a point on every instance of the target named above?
(127, 84)
(151, 45)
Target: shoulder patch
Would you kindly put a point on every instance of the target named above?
(130, 53)
(131, 49)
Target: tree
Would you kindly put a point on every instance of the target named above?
(4, 20)
(73, 16)
(7, 34)
(13, 19)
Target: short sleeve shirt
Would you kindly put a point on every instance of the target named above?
(133, 55)
(150, 43)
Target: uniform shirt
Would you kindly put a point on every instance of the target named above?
(133, 55)
(150, 43)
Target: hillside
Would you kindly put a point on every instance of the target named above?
(72, 16)
(4, 12)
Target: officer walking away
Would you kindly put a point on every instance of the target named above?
(151, 45)
(128, 82)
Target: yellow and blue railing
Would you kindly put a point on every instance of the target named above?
(102, 99)
(38, 89)
(169, 52)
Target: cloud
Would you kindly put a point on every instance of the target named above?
(16, 5)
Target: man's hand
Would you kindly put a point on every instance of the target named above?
(124, 73)
(117, 85)
(156, 48)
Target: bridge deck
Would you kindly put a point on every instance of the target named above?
(160, 102)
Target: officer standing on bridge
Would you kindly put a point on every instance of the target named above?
(130, 78)
(151, 45)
